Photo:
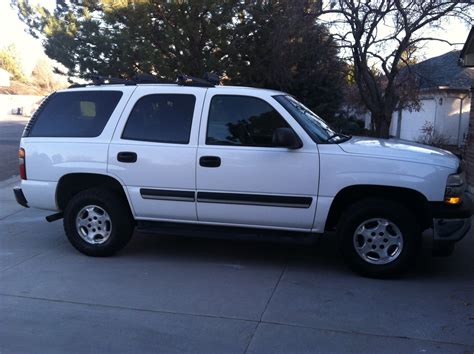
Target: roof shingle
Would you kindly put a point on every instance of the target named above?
(444, 70)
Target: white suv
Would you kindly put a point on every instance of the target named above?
(188, 156)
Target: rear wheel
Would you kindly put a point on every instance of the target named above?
(98, 222)
(379, 238)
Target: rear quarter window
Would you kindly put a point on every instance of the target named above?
(75, 114)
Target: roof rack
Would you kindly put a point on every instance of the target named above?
(209, 80)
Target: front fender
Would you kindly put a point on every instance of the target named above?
(341, 170)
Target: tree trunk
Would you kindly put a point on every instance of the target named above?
(382, 124)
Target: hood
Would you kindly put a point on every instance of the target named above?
(400, 150)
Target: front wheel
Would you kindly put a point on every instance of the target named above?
(379, 238)
(98, 222)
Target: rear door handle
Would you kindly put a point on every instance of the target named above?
(210, 161)
(127, 156)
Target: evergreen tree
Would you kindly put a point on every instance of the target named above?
(264, 43)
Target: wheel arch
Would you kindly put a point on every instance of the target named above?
(412, 199)
(72, 183)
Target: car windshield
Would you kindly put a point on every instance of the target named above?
(315, 126)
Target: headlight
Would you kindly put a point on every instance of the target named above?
(455, 188)
(455, 180)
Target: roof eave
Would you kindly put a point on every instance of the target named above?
(468, 43)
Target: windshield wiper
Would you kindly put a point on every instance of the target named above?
(342, 136)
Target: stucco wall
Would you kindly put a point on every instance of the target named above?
(452, 119)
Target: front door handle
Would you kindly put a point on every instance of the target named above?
(210, 161)
(127, 157)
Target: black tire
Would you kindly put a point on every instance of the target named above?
(399, 217)
(121, 221)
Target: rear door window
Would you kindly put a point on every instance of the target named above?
(161, 118)
(75, 114)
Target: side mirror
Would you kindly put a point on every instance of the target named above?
(286, 137)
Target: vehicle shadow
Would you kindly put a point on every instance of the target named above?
(218, 249)
(320, 256)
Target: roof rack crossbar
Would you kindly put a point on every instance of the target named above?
(186, 80)
(101, 80)
(209, 80)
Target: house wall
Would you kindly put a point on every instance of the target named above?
(452, 119)
(469, 59)
(9, 104)
(469, 147)
(367, 118)
(357, 114)
(442, 111)
(413, 122)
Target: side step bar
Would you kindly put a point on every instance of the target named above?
(225, 232)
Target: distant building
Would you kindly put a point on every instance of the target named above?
(4, 78)
(445, 102)
(445, 98)
(466, 57)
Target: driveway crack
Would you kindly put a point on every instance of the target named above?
(30, 258)
(14, 213)
(266, 305)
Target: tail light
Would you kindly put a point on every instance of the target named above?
(22, 163)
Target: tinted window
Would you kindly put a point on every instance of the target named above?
(161, 118)
(75, 114)
(242, 120)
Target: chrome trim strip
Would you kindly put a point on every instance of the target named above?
(166, 194)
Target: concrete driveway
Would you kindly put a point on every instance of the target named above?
(181, 295)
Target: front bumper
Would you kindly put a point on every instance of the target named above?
(451, 230)
(452, 223)
(20, 197)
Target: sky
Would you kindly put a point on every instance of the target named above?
(12, 30)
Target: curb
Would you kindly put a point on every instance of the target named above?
(13, 118)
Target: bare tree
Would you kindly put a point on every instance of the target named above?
(380, 37)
